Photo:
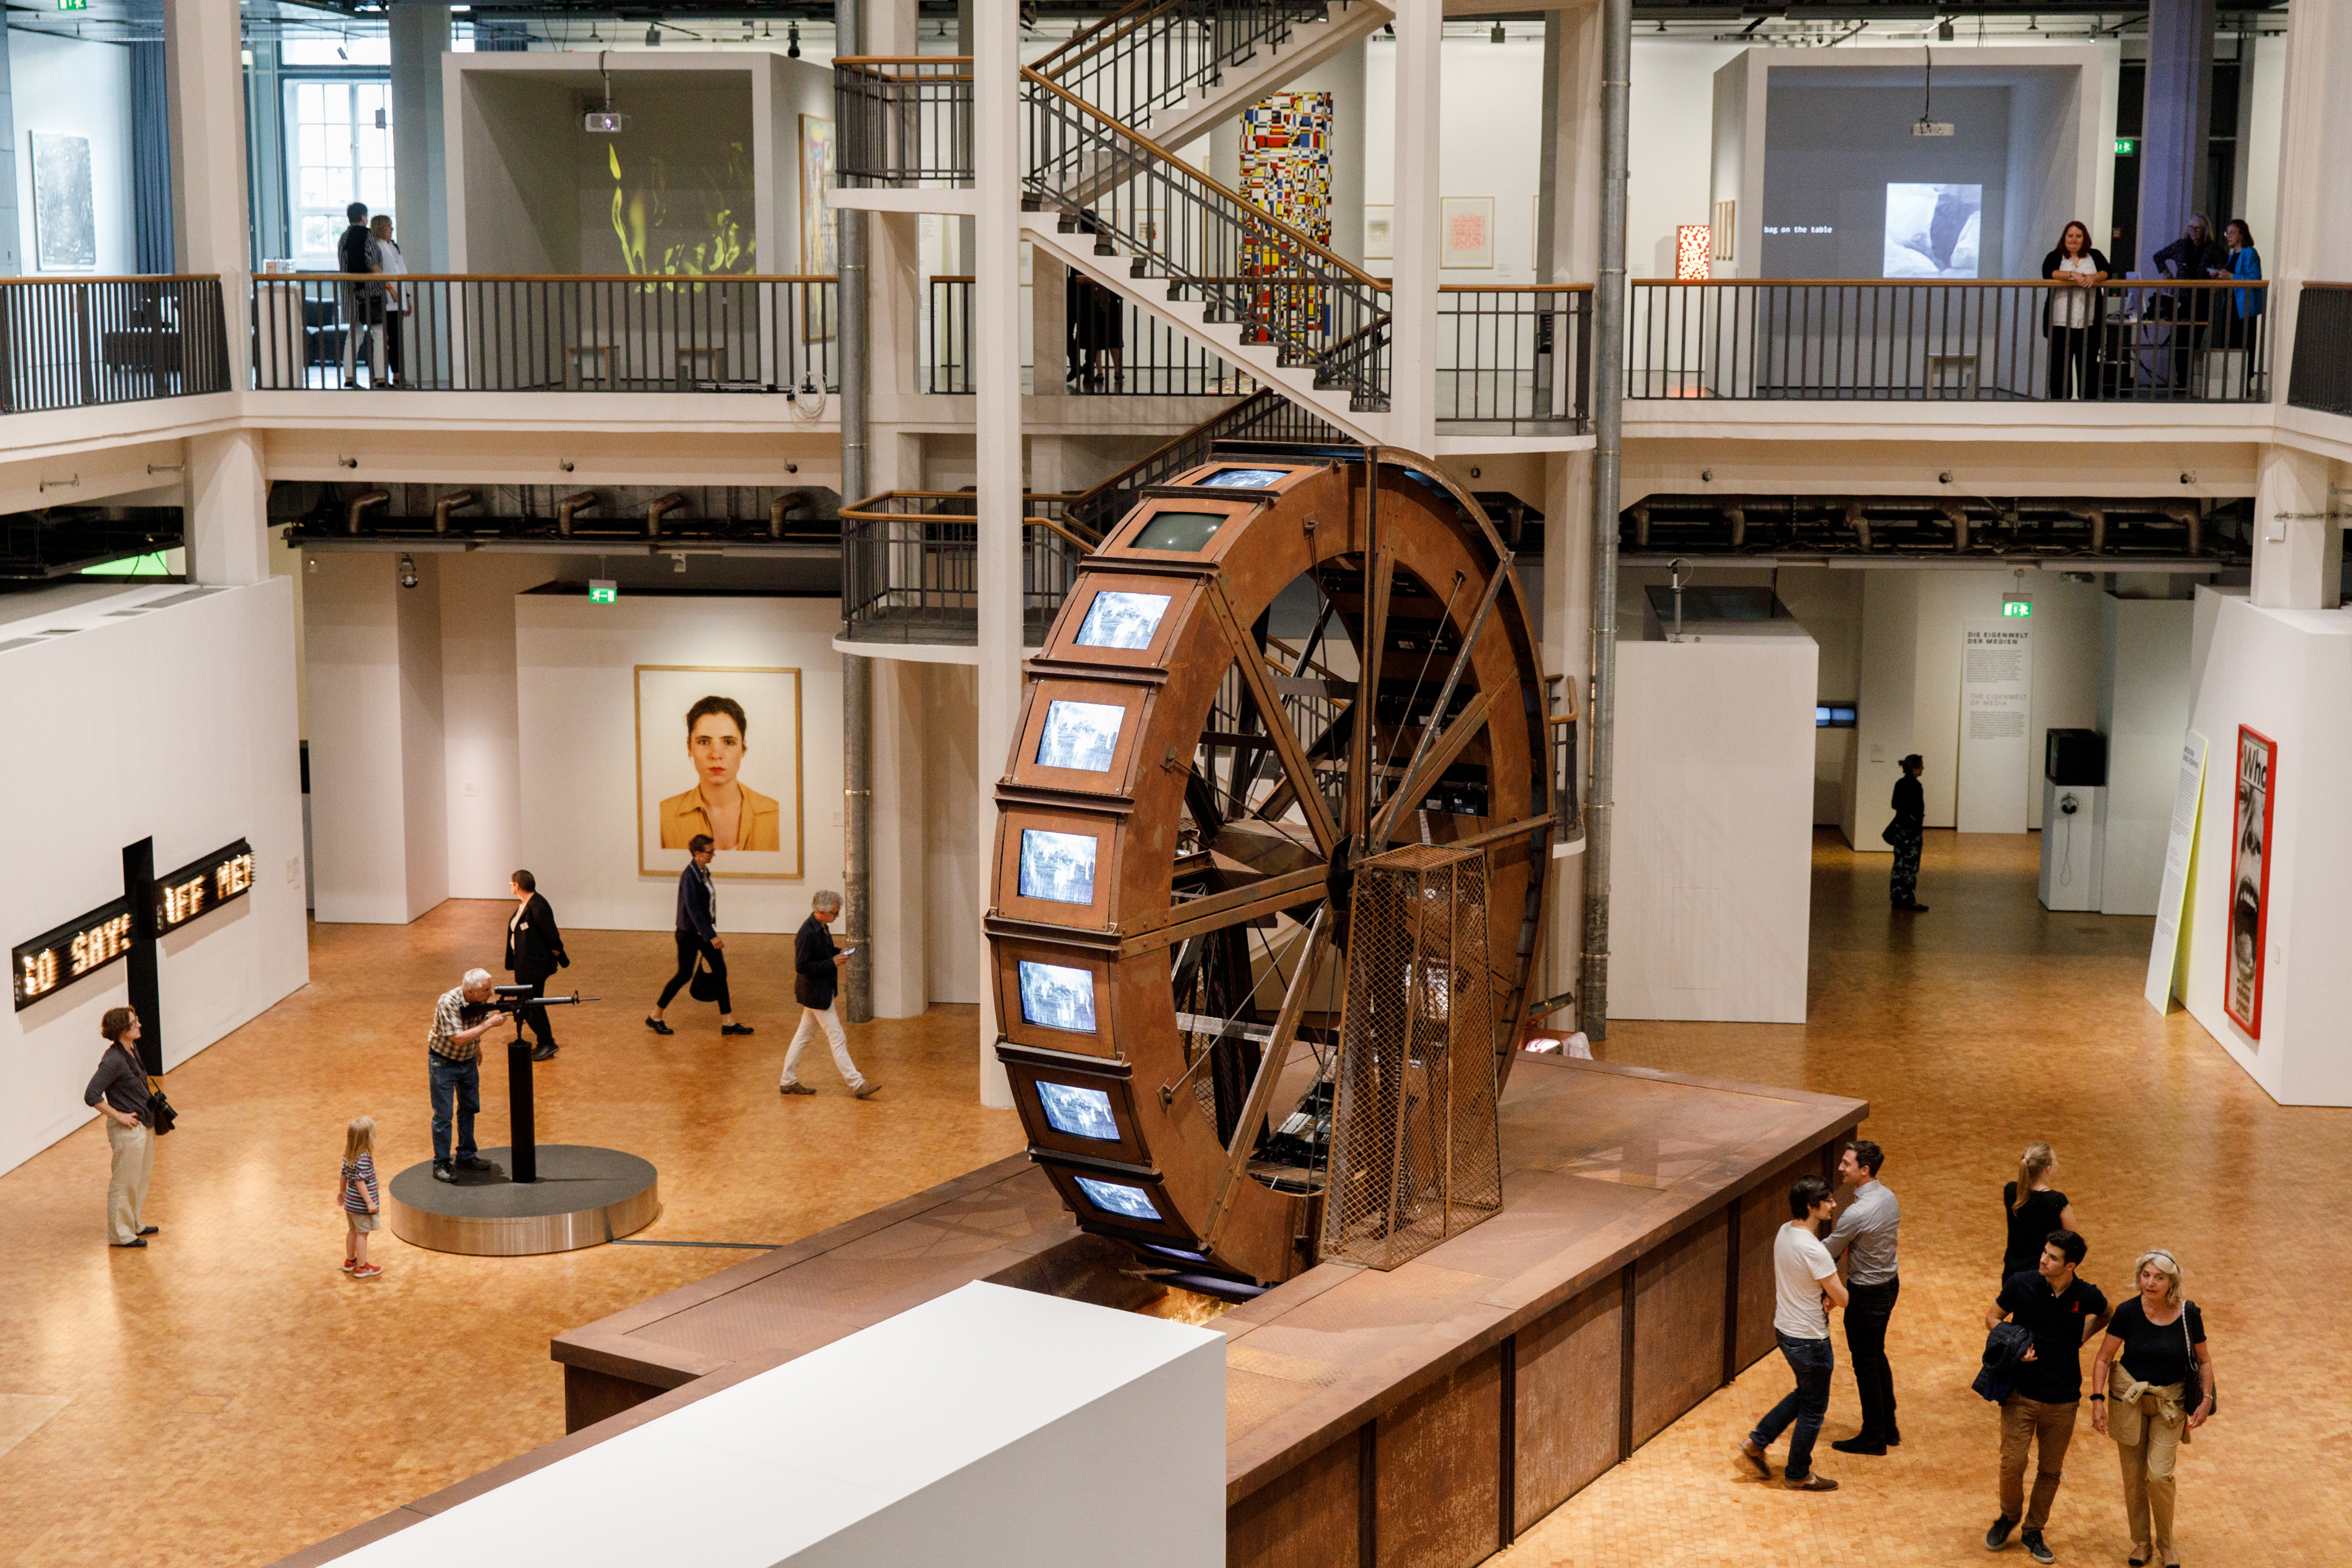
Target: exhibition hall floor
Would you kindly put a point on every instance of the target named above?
(228, 1397)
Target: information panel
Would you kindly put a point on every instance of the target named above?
(1996, 724)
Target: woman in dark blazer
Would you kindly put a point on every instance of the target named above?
(534, 952)
(2072, 312)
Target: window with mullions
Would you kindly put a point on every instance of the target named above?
(338, 151)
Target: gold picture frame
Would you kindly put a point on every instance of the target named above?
(770, 697)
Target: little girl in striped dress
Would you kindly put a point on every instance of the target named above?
(357, 1194)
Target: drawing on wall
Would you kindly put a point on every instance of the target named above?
(718, 752)
(1694, 245)
(820, 227)
(1285, 170)
(1379, 233)
(65, 220)
(1932, 230)
(1466, 232)
(2249, 892)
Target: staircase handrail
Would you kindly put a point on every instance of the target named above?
(1257, 215)
(877, 508)
(1230, 32)
(1182, 452)
(1096, 36)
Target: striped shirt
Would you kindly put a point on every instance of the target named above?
(360, 1195)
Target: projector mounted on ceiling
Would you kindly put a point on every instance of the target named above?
(1919, 128)
(605, 121)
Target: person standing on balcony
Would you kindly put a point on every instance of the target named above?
(356, 257)
(1904, 834)
(2196, 254)
(2073, 313)
(2246, 318)
(397, 303)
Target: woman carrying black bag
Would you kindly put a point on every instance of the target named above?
(1904, 835)
(2072, 312)
(2153, 1386)
(120, 1091)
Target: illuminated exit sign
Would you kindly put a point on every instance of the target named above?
(2126, 146)
(73, 5)
(603, 591)
(2017, 609)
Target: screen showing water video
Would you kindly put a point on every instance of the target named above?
(1933, 231)
(1246, 478)
(1114, 1198)
(1079, 734)
(1123, 619)
(1057, 867)
(1080, 1113)
(1186, 531)
(1053, 996)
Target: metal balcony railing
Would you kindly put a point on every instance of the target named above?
(1242, 264)
(80, 343)
(1111, 347)
(1513, 359)
(1155, 53)
(2321, 375)
(1265, 415)
(910, 563)
(616, 332)
(906, 123)
(1874, 339)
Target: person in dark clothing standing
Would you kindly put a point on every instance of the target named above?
(697, 938)
(357, 256)
(2061, 1312)
(816, 970)
(2196, 257)
(2033, 1209)
(1863, 1239)
(1905, 834)
(534, 952)
(118, 1091)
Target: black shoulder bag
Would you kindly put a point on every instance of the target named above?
(158, 1109)
(2192, 1387)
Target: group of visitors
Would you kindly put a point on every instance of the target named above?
(371, 309)
(2151, 1380)
(2073, 313)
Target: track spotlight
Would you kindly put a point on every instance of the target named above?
(1495, 37)
(407, 571)
(793, 41)
(1943, 32)
(653, 35)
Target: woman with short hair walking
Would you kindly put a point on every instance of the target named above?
(2153, 1386)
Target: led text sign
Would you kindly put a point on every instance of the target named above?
(81, 948)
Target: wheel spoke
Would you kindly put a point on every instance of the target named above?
(1433, 761)
(1379, 572)
(1250, 659)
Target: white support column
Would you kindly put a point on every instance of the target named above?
(996, 405)
(420, 37)
(203, 65)
(1413, 389)
(227, 509)
(2298, 548)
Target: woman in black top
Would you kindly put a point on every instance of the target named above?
(1904, 835)
(2073, 311)
(118, 1092)
(2141, 1396)
(2034, 1209)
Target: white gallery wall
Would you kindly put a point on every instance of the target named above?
(176, 723)
(1711, 891)
(2144, 702)
(2287, 675)
(77, 89)
(576, 722)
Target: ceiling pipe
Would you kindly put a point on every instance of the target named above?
(2190, 515)
(571, 507)
(361, 503)
(790, 501)
(446, 504)
(1858, 518)
(1958, 516)
(2097, 516)
(1641, 510)
(660, 507)
(1737, 516)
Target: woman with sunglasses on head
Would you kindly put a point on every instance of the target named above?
(2152, 1385)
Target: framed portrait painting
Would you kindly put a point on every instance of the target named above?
(2250, 881)
(718, 752)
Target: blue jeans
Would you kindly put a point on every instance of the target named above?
(1810, 1360)
(457, 1086)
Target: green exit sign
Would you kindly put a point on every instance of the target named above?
(603, 591)
(2126, 146)
(2018, 608)
(73, 5)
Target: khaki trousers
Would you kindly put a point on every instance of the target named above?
(2149, 1444)
(2028, 1424)
(126, 1187)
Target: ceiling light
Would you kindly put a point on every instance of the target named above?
(1943, 32)
(792, 41)
(653, 35)
(1496, 36)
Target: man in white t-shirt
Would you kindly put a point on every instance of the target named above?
(1806, 1285)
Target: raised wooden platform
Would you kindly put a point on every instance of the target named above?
(1422, 1414)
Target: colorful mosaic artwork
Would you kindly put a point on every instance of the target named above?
(1694, 244)
(1285, 169)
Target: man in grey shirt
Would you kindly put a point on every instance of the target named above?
(1863, 1239)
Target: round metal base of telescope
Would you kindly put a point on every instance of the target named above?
(583, 1197)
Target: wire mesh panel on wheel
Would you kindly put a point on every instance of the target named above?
(1415, 1150)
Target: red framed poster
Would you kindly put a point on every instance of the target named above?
(2250, 882)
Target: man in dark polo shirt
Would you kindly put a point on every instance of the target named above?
(2061, 1312)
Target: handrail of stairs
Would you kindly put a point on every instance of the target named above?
(1239, 263)
(1153, 53)
(1099, 509)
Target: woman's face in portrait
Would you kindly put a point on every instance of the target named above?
(717, 748)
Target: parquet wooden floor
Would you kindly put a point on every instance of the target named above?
(249, 1399)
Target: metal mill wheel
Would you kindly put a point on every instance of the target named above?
(1192, 782)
